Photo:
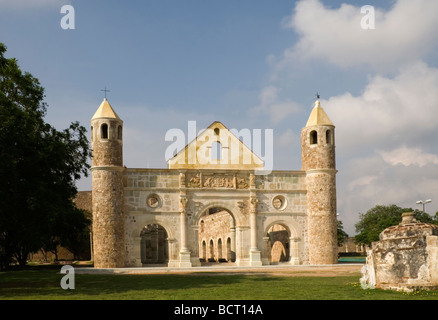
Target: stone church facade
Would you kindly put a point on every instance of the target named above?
(147, 217)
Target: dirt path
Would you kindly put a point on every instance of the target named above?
(290, 271)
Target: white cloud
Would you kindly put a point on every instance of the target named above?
(386, 142)
(390, 112)
(386, 134)
(271, 105)
(286, 139)
(409, 156)
(362, 181)
(407, 31)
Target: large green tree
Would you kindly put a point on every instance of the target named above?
(377, 219)
(39, 166)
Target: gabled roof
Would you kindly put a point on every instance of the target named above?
(318, 117)
(105, 111)
(197, 154)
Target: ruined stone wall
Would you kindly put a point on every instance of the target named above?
(151, 196)
(350, 247)
(282, 199)
(432, 256)
(405, 257)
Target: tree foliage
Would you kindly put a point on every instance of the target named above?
(38, 165)
(377, 219)
(342, 235)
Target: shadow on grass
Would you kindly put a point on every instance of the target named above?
(43, 283)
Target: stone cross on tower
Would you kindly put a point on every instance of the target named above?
(105, 90)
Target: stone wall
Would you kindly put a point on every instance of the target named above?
(405, 257)
(152, 196)
(351, 248)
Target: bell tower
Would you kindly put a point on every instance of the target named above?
(107, 190)
(318, 161)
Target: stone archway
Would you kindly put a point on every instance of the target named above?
(282, 242)
(216, 226)
(278, 244)
(154, 247)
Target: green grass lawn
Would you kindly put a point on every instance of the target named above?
(43, 282)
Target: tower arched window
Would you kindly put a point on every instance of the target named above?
(104, 133)
(313, 137)
(328, 137)
(92, 138)
(119, 132)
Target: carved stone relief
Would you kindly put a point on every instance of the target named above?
(217, 181)
(194, 181)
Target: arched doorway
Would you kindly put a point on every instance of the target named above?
(215, 227)
(203, 256)
(154, 247)
(219, 250)
(278, 244)
(211, 257)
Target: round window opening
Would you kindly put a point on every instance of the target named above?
(279, 203)
(153, 201)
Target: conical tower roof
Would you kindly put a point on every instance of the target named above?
(318, 117)
(105, 111)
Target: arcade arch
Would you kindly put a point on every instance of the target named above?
(282, 242)
(216, 236)
(154, 248)
(278, 241)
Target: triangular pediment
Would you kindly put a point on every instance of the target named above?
(217, 148)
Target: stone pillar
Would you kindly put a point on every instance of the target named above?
(184, 252)
(265, 259)
(254, 252)
(233, 239)
(194, 256)
(293, 251)
(172, 254)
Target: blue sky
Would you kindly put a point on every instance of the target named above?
(250, 64)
